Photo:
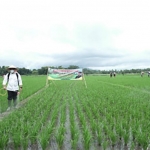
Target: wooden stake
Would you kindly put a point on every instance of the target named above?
(84, 81)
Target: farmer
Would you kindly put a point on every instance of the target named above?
(142, 73)
(110, 74)
(13, 84)
(114, 74)
(148, 73)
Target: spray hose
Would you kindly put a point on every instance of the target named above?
(3, 92)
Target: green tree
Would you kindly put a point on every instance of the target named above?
(73, 67)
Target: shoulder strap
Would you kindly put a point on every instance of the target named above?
(17, 78)
(9, 75)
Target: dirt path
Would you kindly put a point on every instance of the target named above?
(20, 104)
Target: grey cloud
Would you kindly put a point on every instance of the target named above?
(93, 49)
(12, 61)
(86, 53)
(84, 58)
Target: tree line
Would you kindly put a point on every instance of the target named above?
(43, 70)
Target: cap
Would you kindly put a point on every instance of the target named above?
(12, 67)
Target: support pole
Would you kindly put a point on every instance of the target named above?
(47, 78)
(84, 81)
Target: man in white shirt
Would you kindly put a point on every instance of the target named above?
(148, 73)
(13, 84)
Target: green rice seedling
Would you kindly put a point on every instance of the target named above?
(50, 128)
(60, 135)
(109, 118)
(99, 136)
(3, 141)
(87, 138)
(43, 140)
(132, 146)
(113, 137)
(82, 120)
(34, 132)
(45, 135)
(73, 130)
(74, 141)
(60, 140)
(117, 127)
(126, 137)
(93, 126)
(120, 132)
(142, 140)
(17, 139)
(54, 116)
(25, 143)
(25, 129)
(71, 119)
(63, 116)
(105, 144)
(105, 128)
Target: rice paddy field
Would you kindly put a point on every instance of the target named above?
(110, 114)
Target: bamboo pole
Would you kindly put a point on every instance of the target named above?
(84, 81)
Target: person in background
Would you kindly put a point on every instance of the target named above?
(79, 75)
(110, 74)
(114, 74)
(148, 73)
(142, 73)
(12, 82)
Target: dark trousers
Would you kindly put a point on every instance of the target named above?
(12, 95)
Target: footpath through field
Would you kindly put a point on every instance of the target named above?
(128, 87)
(20, 104)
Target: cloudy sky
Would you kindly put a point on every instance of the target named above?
(97, 34)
